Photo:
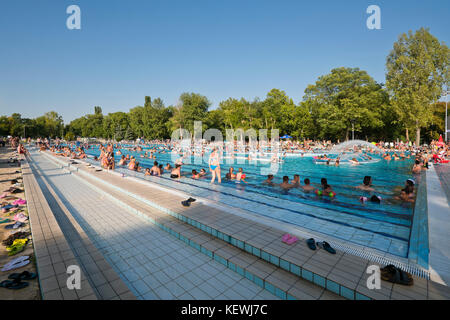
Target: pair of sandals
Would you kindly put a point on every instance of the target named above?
(312, 244)
(187, 203)
(17, 246)
(16, 225)
(394, 274)
(16, 280)
(18, 235)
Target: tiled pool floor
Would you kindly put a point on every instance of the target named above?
(152, 263)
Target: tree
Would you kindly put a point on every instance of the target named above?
(192, 107)
(344, 96)
(417, 68)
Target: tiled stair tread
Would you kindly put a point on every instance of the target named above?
(52, 252)
(297, 254)
(278, 277)
(96, 268)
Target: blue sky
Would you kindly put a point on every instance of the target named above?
(126, 50)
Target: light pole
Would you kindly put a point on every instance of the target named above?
(446, 116)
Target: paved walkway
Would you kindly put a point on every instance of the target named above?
(152, 263)
(443, 172)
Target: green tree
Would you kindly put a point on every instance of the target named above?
(344, 96)
(417, 69)
(192, 107)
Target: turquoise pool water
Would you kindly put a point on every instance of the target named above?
(385, 226)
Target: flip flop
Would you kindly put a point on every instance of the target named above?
(191, 200)
(15, 284)
(311, 244)
(4, 221)
(185, 203)
(16, 225)
(326, 246)
(292, 240)
(15, 261)
(13, 250)
(26, 275)
(393, 274)
(285, 237)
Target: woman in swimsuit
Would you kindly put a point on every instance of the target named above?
(214, 166)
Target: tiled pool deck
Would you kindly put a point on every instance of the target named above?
(225, 237)
(151, 262)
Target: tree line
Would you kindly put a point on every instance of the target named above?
(346, 99)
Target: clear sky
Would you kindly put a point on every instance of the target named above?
(126, 50)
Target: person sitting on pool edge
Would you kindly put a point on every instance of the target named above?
(155, 169)
(176, 173)
(417, 168)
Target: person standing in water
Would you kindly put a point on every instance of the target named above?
(214, 166)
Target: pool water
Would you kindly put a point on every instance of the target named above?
(385, 227)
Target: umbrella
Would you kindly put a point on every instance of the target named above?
(286, 137)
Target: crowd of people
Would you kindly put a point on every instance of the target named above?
(436, 152)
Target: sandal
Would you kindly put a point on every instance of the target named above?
(186, 203)
(15, 284)
(326, 246)
(393, 274)
(311, 244)
(26, 275)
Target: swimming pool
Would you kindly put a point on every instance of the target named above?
(385, 227)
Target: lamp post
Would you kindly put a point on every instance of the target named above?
(446, 116)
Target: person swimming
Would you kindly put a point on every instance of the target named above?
(269, 181)
(240, 176)
(195, 174)
(307, 187)
(230, 175)
(367, 184)
(296, 181)
(285, 184)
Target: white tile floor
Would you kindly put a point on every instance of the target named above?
(151, 262)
